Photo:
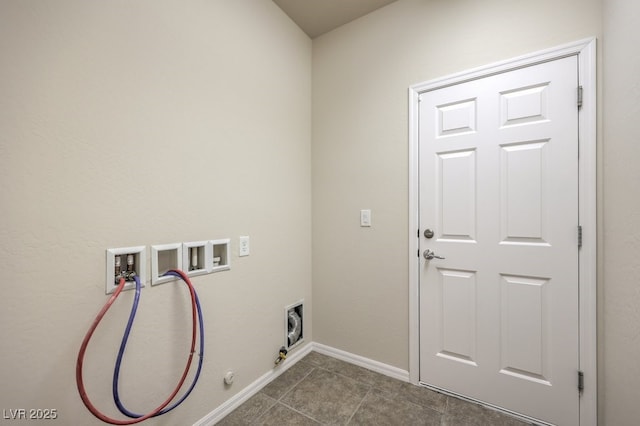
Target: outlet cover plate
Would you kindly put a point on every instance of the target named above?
(243, 246)
(365, 218)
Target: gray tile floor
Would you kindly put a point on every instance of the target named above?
(321, 390)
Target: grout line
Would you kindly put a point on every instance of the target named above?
(446, 404)
(275, 402)
(374, 388)
(371, 389)
(369, 385)
(359, 405)
(296, 383)
(300, 412)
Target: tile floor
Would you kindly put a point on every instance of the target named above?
(321, 390)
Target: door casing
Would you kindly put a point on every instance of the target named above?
(587, 208)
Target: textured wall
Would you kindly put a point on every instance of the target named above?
(139, 123)
(361, 73)
(157, 122)
(620, 295)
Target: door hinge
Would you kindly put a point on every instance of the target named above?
(580, 381)
(580, 97)
(579, 236)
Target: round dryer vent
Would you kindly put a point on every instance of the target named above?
(294, 325)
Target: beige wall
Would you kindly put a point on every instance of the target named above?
(106, 111)
(360, 151)
(139, 123)
(620, 295)
(361, 74)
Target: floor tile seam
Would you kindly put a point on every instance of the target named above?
(470, 418)
(332, 370)
(300, 412)
(446, 404)
(359, 405)
(443, 411)
(387, 394)
(411, 403)
(452, 412)
(257, 419)
(369, 385)
(295, 384)
(422, 406)
(478, 405)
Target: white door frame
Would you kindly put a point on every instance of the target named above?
(586, 52)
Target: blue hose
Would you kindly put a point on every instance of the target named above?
(123, 344)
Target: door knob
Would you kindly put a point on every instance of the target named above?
(430, 254)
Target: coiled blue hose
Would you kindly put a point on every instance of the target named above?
(125, 338)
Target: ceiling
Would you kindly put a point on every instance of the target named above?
(317, 17)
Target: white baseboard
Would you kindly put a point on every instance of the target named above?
(241, 397)
(378, 367)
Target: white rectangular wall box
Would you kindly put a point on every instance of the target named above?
(221, 255)
(197, 258)
(163, 258)
(138, 256)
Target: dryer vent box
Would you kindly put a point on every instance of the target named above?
(294, 325)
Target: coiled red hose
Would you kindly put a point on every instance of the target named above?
(85, 343)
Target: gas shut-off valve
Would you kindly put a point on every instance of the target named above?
(281, 356)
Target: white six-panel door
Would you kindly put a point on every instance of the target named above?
(498, 187)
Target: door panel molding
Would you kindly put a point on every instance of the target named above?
(585, 50)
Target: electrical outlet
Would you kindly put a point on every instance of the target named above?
(243, 247)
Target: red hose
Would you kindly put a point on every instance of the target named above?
(87, 338)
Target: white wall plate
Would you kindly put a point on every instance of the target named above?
(163, 258)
